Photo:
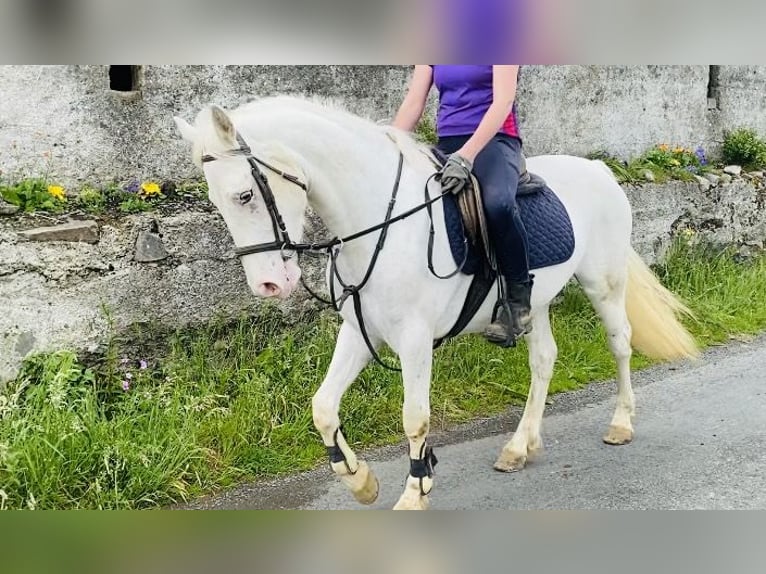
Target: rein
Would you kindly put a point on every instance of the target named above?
(332, 247)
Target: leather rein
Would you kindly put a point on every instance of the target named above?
(332, 247)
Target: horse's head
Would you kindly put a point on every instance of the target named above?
(262, 209)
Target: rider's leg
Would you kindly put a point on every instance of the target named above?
(497, 168)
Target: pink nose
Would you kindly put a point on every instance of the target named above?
(269, 290)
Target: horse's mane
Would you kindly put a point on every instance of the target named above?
(416, 153)
(330, 108)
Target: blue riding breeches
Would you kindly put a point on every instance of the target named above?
(497, 168)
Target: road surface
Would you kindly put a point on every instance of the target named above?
(700, 443)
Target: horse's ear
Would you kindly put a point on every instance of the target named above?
(188, 131)
(223, 124)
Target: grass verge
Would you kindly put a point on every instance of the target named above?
(232, 402)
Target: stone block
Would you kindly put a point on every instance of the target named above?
(85, 231)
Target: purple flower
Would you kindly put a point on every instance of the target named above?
(142, 364)
(126, 385)
(700, 153)
(133, 187)
(128, 376)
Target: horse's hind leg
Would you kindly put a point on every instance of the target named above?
(607, 294)
(350, 356)
(526, 441)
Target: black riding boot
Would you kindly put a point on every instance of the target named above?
(504, 330)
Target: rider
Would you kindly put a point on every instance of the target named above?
(477, 125)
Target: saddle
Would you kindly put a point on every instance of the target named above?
(472, 209)
(474, 225)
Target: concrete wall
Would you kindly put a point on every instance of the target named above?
(622, 110)
(741, 99)
(64, 121)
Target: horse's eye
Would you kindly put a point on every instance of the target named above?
(245, 196)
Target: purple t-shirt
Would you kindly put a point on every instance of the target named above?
(465, 94)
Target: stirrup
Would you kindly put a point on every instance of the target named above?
(509, 341)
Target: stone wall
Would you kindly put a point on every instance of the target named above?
(65, 122)
(178, 269)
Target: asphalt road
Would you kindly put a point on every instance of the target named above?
(700, 443)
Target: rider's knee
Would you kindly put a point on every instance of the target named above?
(498, 203)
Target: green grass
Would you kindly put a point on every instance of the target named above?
(724, 290)
(232, 401)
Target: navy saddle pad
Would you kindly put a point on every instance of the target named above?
(549, 231)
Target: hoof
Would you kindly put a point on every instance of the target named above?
(618, 435)
(509, 462)
(417, 502)
(363, 485)
(534, 449)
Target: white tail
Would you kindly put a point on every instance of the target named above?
(654, 314)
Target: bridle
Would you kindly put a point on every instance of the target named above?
(332, 247)
(282, 241)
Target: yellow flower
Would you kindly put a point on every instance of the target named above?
(150, 188)
(679, 150)
(663, 147)
(675, 162)
(57, 191)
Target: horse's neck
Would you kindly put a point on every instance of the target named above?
(351, 176)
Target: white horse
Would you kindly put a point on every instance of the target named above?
(348, 166)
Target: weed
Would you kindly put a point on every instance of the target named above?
(134, 204)
(662, 162)
(743, 147)
(91, 200)
(425, 131)
(193, 188)
(622, 170)
(34, 195)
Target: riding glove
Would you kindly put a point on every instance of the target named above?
(455, 176)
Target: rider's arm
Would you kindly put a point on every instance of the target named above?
(504, 79)
(414, 102)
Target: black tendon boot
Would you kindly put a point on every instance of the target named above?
(511, 316)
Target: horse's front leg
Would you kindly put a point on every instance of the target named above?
(416, 355)
(349, 358)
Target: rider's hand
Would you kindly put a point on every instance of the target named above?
(455, 176)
